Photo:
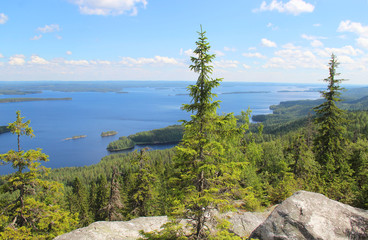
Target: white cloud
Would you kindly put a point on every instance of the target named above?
(37, 37)
(109, 7)
(290, 46)
(3, 18)
(69, 53)
(189, 52)
(1, 56)
(252, 48)
(316, 43)
(294, 58)
(256, 55)
(246, 66)
(294, 7)
(225, 64)
(267, 43)
(272, 26)
(142, 61)
(362, 42)
(346, 50)
(355, 27)
(219, 53)
(38, 60)
(77, 62)
(229, 49)
(17, 60)
(100, 62)
(49, 28)
(317, 25)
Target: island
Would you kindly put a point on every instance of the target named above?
(75, 137)
(14, 100)
(108, 133)
(4, 129)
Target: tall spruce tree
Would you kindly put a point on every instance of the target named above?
(114, 205)
(78, 202)
(102, 198)
(205, 177)
(330, 143)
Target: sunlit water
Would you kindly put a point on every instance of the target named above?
(147, 106)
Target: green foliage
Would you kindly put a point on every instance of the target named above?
(33, 209)
(102, 197)
(78, 202)
(170, 134)
(330, 142)
(122, 144)
(114, 205)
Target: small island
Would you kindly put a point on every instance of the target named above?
(109, 133)
(75, 137)
(14, 100)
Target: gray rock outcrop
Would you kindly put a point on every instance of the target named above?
(307, 215)
(115, 230)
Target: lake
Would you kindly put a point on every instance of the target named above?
(140, 106)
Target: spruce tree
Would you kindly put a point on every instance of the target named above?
(102, 197)
(206, 178)
(330, 142)
(34, 211)
(78, 202)
(114, 205)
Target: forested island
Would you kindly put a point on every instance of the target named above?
(4, 129)
(109, 133)
(167, 135)
(75, 137)
(222, 162)
(13, 100)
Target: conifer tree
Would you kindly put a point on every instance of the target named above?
(78, 202)
(114, 205)
(35, 213)
(205, 177)
(102, 197)
(330, 143)
(142, 192)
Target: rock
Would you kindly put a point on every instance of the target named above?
(307, 215)
(243, 223)
(115, 230)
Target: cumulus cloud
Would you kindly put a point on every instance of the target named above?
(100, 62)
(294, 58)
(346, 50)
(109, 7)
(69, 53)
(49, 28)
(17, 60)
(294, 7)
(37, 37)
(354, 27)
(357, 28)
(219, 53)
(189, 52)
(226, 64)
(246, 66)
(38, 60)
(255, 55)
(3, 18)
(314, 40)
(77, 62)
(267, 43)
(129, 61)
(362, 42)
(229, 49)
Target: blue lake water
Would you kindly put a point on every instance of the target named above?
(144, 106)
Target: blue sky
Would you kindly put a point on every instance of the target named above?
(254, 40)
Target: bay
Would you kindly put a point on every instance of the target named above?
(140, 106)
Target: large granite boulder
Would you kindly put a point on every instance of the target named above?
(307, 215)
(115, 230)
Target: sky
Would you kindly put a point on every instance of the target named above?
(287, 41)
